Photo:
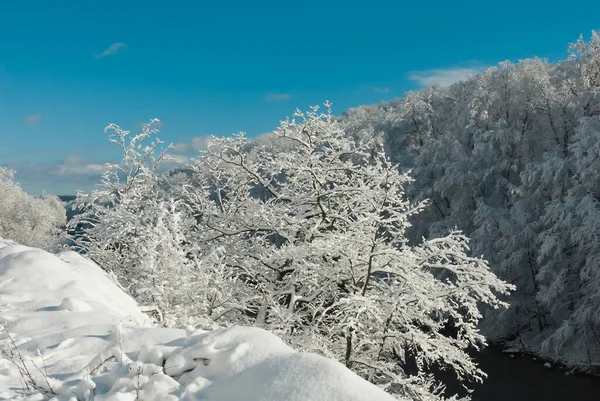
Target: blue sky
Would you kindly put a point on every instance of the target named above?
(69, 68)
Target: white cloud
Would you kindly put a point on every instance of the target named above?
(74, 160)
(61, 177)
(191, 145)
(277, 97)
(33, 119)
(82, 169)
(444, 76)
(113, 49)
(180, 159)
(70, 166)
(378, 89)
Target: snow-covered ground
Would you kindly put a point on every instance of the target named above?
(81, 337)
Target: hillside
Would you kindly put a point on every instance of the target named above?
(511, 157)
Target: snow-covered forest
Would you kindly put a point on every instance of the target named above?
(413, 230)
(512, 158)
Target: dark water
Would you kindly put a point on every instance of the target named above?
(522, 379)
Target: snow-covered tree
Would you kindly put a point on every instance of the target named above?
(570, 254)
(113, 210)
(29, 220)
(588, 54)
(141, 233)
(317, 236)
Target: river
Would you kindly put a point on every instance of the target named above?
(523, 379)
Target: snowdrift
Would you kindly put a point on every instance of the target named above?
(81, 337)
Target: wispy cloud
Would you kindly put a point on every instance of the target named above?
(113, 49)
(444, 76)
(377, 89)
(77, 165)
(82, 167)
(61, 177)
(179, 159)
(33, 119)
(191, 145)
(277, 97)
(183, 151)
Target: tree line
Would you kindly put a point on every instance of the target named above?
(512, 158)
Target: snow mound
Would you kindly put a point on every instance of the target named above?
(297, 377)
(82, 338)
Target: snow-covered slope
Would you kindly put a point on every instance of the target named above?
(70, 320)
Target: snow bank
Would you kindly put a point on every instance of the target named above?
(69, 319)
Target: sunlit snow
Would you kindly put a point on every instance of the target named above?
(73, 324)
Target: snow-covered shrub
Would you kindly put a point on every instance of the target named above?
(141, 234)
(26, 219)
(316, 236)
